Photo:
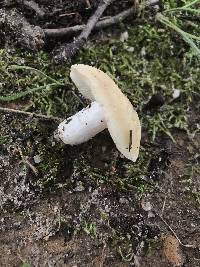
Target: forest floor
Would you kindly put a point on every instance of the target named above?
(87, 205)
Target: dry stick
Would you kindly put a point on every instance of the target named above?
(68, 50)
(25, 161)
(88, 3)
(173, 232)
(103, 256)
(100, 25)
(163, 207)
(39, 116)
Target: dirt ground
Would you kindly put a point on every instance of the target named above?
(45, 231)
(87, 205)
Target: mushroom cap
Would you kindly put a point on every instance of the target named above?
(122, 120)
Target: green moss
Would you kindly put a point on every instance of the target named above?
(3, 140)
(18, 82)
(90, 228)
(159, 63)
(25, 264)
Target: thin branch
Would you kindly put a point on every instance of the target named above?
(62, 32)
(68, 50)
(25, 161)
(163, 207)
(88, 4)
(31, 114)
(173, 232)
(100, 25)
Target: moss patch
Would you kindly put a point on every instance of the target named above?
(152, 61)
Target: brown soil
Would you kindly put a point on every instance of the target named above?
(41, 238)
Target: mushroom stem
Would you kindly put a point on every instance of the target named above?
(83, 125)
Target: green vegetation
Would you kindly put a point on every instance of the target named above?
(25, 264)
(153, 60)
(173, 13)
(90, 228)
(160, 56)
(3, 140)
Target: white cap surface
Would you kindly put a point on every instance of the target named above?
(122, 120)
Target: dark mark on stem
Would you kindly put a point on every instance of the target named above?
(130, 140)
(68, 120)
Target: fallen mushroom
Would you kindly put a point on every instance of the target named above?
(110, 108)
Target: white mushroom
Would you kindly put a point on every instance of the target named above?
(110, 108)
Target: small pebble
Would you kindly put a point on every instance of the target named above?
(124, 36)
(123, 200)
(143, 52)
(147, 206)
(130, 49)
(103, 149)
(176, 93)
(151, 214)
(107, 209)
(79, 187)
(37, 159)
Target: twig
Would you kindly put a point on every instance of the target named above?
(61, 32)
(163, 207)
(68, 50)
(67, 14)
(25, 161)
(88, 3)
(31, 114)
(19, 255)
(135, 4)
(173, 232)
(100, 25)
(103, 256)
